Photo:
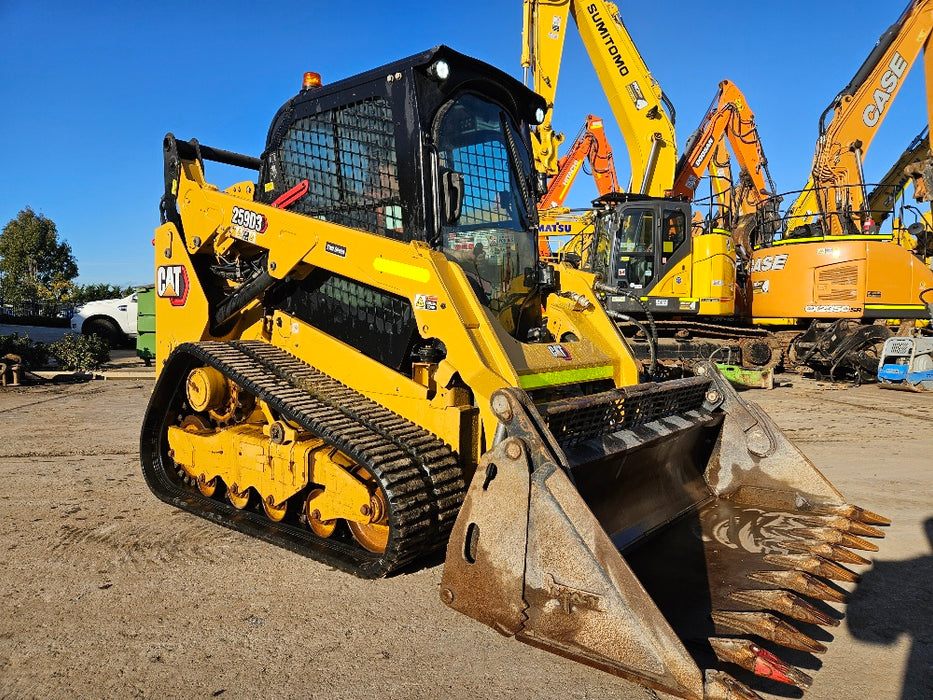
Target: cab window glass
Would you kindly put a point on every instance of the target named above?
(636, 231)
(489, 239)
(673, 231)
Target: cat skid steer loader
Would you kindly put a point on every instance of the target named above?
(360, 359)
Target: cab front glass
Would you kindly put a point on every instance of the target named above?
(492, 239)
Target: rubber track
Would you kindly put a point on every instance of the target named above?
(419, 473)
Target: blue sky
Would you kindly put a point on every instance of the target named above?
(88, 89)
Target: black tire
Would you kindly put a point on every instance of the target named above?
(105, 329)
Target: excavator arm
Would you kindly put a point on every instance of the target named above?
(589, 146)
(644, 115)
(836, 188)
(728, 117)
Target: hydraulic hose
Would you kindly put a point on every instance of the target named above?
(651, 335)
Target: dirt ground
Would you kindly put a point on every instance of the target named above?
(107, 592)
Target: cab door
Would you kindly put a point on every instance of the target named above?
(634, 259)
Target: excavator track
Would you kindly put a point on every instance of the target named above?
(417, 472)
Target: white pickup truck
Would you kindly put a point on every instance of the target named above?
(114, 320)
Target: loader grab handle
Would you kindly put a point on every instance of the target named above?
(191, 150)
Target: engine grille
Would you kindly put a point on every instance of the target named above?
(837, 283)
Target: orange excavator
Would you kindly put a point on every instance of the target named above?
(728, 118)
(589, 147)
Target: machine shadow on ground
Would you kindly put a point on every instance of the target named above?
(893, 599)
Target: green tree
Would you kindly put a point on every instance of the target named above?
(84, 293)
(34, 264)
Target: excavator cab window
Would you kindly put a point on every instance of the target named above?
(673, 232)
(491, 238)
(634, 259)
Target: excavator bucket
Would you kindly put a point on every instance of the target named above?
(668, 533)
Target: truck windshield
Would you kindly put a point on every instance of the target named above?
(492, 239)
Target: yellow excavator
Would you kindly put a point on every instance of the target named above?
(654, 263)
(826, 267)
(360, 359)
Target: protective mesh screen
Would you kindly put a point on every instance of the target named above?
(378, 324)
(485, 168)
(348, 157)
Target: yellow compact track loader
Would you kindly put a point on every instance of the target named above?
(361, 359)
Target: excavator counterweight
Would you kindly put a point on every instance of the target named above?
(360, 358)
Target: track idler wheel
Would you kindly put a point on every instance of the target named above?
(760, 352)
(374, 535)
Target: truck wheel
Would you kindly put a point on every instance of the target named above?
(105, 329)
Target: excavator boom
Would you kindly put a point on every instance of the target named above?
(835, 193)
(643, 113)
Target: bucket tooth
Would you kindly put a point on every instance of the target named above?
(786, 603)
(854, 513)
(866, 516)
(855, 527)
(799, 582)
(751, 657)
(767, 626)
(827, 551)
(812, 564)
(833, 536)
(718, 685)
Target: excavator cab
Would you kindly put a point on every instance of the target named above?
(644, 248)
(648, 239)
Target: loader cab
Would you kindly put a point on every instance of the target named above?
(639, 239)
(434, 148)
